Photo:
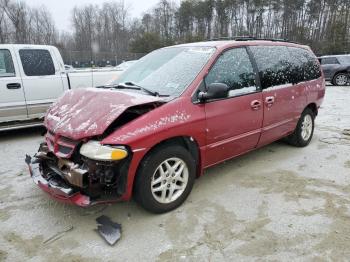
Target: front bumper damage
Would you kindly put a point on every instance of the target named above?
(55, 186)
(82, 185)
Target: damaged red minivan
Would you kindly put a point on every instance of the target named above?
(175, 112)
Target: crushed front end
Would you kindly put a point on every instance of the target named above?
(63, 172)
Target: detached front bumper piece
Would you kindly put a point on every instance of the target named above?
(55, 186)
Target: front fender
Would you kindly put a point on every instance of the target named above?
(348, 69)
(177, 118)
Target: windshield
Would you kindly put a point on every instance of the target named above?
(344, 60)
(168, 71)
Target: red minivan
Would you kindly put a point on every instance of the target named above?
(175, 112)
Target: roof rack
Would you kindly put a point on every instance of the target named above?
(251, 38)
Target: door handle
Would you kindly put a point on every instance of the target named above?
(255, 105)
(269, 101)
(13, 86)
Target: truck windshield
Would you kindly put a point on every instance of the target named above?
(345, 60)
(168, 71)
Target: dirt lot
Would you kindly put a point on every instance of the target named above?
(277, 203)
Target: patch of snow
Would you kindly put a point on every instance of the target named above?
(83, 125)
(91, 127)
(277, 87)
(242, 91)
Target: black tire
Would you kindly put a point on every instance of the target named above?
(142, 187)
(296, 138)
(336, 82)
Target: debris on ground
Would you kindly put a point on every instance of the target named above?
(58, 235)
(108, 230)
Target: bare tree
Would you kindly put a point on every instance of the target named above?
(323, 24)
(22, 24)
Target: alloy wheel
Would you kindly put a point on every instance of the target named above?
(169, 181)
(306, 127)
(341, 80)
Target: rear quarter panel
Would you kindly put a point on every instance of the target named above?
(316, 90)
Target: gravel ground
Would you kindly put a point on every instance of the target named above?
(277, 203)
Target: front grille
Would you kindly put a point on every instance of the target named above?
(64, 149)
(61, 146)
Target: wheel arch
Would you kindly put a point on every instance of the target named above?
(343, 71)
(188, 142)
(313, 108)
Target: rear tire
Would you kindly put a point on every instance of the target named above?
(304, 131)
(340, 79)
(165, 178)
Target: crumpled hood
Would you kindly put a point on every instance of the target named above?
(88, 112)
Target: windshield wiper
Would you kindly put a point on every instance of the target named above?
(132, 85)
(153, 93)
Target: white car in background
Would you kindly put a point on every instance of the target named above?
(125, 65)
(120, 69)
(32, 77)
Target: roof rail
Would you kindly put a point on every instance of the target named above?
(251, 38)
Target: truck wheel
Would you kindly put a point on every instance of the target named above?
(304, 131)
(340, 79)
(165, 179)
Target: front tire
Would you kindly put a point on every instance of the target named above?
(304, 131)
(165, 178)
(340, 79)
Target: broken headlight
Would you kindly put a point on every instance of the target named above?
(94, 150)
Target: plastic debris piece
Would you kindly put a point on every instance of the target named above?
(108, 230)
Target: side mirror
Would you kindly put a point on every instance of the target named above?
(215, 91)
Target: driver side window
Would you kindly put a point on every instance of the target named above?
(234, 69)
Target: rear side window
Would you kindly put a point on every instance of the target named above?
(274, 63)
(6, 64)
(280, 65)
(309, 63)
(298, 63)
(233, 68)
(329, 61)
(37, 62)
(344, 60)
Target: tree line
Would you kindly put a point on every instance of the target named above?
(322, 24)
(22, 24)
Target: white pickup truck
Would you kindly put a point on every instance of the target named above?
(34, 76)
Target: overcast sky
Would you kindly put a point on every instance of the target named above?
(61, 9)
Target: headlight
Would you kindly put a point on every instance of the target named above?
(94, 150)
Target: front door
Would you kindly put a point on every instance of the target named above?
(233, 124)
(12, 101)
